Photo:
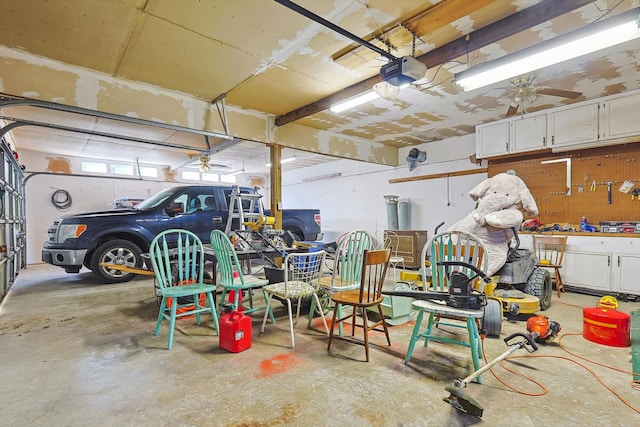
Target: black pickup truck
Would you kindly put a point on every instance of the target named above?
(121, 236)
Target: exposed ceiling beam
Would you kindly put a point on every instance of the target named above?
(520, 21)
(401, 32)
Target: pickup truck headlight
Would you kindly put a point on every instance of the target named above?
(70, 231)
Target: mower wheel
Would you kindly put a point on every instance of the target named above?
(539, 285)
(492, 319)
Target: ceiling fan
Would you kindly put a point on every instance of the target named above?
(204, 162)
(524, 92)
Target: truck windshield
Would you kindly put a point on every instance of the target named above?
(155, 200)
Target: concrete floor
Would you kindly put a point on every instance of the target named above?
(77, 353)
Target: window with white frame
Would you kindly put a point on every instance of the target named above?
(120, 169)
(94, 167)
(190, 175)
(210, 177)
(148, 172)
(228, 179)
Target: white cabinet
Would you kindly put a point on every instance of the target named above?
(574, 125)
(492, 139)
(515, 135)
(589, 270)
(595, 123)
(600, 263)
(628, 273)
(528, 133)
(620, 117)
(610, 120)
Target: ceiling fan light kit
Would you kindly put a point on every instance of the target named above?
(598, 36)
(204, 163)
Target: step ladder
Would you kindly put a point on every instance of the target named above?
(246, 208)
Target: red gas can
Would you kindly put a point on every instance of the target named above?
(235, 331)
(605, 325)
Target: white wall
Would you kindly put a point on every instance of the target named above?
(87, 193)
(352, 200)
(355, 198)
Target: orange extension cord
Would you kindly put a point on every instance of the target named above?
(634, 384)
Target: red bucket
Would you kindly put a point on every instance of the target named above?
(605, 325)
(235, 331)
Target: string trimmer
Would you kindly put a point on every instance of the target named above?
(540, 329)
(461, 293)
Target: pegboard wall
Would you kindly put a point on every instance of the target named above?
(547, 179)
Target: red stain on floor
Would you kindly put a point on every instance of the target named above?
(279, 364)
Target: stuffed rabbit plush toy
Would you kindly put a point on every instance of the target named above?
(501, 200)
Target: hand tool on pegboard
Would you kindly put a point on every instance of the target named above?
(594, 185)
(609, 184)
(635, 194)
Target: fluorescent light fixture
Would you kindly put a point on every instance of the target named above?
(287, 160)
(594, 37)
(354, 101)
(238, 172)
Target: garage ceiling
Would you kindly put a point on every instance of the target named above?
(261, 56)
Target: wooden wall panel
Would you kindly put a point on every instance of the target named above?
(547, 182)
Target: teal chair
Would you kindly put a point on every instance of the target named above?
(177, 258)
(450, 246)
(228, 264)
(346, 271)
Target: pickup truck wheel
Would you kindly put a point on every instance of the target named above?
(120, 252)
(296, 235)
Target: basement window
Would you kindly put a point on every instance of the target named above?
(121, 169)
(148, 172)
(228, 179)
(94, 167)
(210, 177)
(190, 175)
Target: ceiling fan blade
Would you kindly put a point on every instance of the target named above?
(513, 109)
(558, 92)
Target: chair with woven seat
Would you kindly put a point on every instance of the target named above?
(456, 246)
(177, 258)
(301, 274)
(368, 294)
(347, 266)
(392, 241)
(233, 279)
(549, 251)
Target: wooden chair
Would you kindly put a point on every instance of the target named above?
(177, 257)
(346, 269)
(374, 269)
(450, 246)
(549, 251)
(232, 277)
(301, 274)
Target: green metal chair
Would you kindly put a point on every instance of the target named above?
(177, 258)
(228, 263)
(450, 246)
(347, 269)
(301, 274)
